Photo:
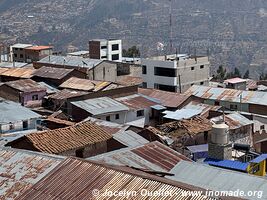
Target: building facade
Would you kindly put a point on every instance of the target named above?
(175, 73)
(106, 49)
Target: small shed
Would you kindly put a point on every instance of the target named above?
(198, 151)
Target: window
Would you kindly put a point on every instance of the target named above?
(201, 83)
(206, 135)
(108, 118)
(104, 47)
(233, 107)
(216, 103)
(79, 153)
(103, 57)
(168, 88)
(25, 124)
(11, 126)
(117, 116)
(15, 55)
(115, 47)
(201, 66)
(262, 127)
(35, 97)
(21, 55)
(192, 68)
(140, 113)
(144, 69)
(115, 57)
(144, 85)
(161, 71)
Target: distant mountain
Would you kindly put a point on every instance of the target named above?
(234, 31)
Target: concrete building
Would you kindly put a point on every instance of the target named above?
(175, 73)
(29, 53)
(15, 117)
(106, 49)
(236, 83)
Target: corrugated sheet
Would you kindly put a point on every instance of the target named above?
(84, 84)
(64, 139)
(230, 95)
(19, 170)
(26, 85)
(218, 179)
(168, 99)
(259, 158)
(49, 89)
(181, 114)
(74, 61)
(228, 164)
(66, 94)
(52, 73)
(17, 72)
(100, 106)
(129, 80)
(198, 148)
(76, 179)
(136, 102)
(234, 120)
(204, 108)
(235, 80)
(152, 156)
(129, 138)
(14, 112)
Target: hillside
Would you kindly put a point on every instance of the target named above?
(233, 31)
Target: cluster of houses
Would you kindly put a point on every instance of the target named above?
(158, 123)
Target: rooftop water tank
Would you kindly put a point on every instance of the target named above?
(220, 133)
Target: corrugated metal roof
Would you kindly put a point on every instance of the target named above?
(77, 179)
(228, 164)
(66, 94)
(204, 108)
(74, 61)
(129, 138)
(259, 158)
(12, 65)
(136, 102)
(234, 120)
(64, 139)
(168, 99)
(229, 95)
(78, 53)
(100, 106)
(52, 72)
(49, 89)
(21, 46)
(19, 170)
(25, 85)
(198, 148)
(235, 80)
(181, 114)
(129, 80)
(39, 48)
(152, 156)
(84, 84)
(13, 112)
(17, 72)
(218, 179)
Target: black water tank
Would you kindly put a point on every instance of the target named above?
(242, 147)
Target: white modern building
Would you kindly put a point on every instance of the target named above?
(175, 73)
(106, 49)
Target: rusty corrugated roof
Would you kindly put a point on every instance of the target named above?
(21, 169)
(25, 72)
(136, 102)
(52, 73)
(66, 94)
(129, 80)
(63, 139)
(76, 179)
(84, 84)
(168, 99)
(153, 156)
(25, 85)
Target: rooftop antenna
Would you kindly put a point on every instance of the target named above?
(171, 28)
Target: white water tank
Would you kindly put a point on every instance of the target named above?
(220, 133)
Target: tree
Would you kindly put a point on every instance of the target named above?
(237, 72)
(246, 75)
(131, 52)
(221, 72)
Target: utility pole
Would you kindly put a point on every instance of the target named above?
(171, 28)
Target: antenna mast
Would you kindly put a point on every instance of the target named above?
(171, 28)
